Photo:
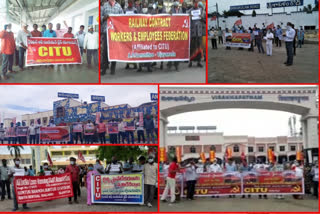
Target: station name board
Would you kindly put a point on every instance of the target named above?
(154, 96)
(68, 95)
(178, 98)
(98, 98)
(237, 97)
(292, 3)
(245, 7)
(293, 98)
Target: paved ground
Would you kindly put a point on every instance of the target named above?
(184, 75)
(62, 205)
(309, 204)
(241, 66)
(65, 74)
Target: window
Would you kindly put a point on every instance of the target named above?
(67, 153)
(56, 153)
(23, 161)
(236, 148)
(282, 148)
(261, 149)
(28, 161)
(192, 138)
(60, 112)
(250, 149)
(92, 152)
(192, 149)
(292, 148)
(272, 148)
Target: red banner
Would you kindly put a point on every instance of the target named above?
(30, 189)
(58, 133)
(89, 129)
(148, 38)
(11, 132)
(49, 51)
(77, 127)
(113, 128)
(238, 40)
(129, 124)
(286, 182)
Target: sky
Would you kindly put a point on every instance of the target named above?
(225, 5)
(251, 122)
(19, 100)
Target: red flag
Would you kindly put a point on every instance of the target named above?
(98, 115)
(81, 157)
(49, 159)
(238, 22)
(14, 120)
(213, 18)
(271, 26)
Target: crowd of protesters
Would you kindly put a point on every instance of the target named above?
(142, 133)
(293, 38)
(198, 26)
(14, 46)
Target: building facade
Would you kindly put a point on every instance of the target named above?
(254, 148)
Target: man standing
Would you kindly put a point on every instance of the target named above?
(80, 35)
(214, 167)
(140, 132)
(149, 126)
(110, 7)
(8, 47)
(2, 133)
(278, 36)
(43, 29)
(114, 167)
(98, 167)
(38, 131)
(15, 172)
(191, 176)
(91, 45)
(77, 130)
(122, 132)
(288, 38)
(32, 134)
(75, 171)
(269, 38)
(150, 172)
(35, 32)
(102, 129)
(60, 32)
(171, 181)
(69, 34)
(5, 182)
(315, 179)
(22, 43)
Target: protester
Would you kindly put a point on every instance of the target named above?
(128, 166)
(315, 179)
(43, 29)
(5, 180)
(13, 173)
(110, 7)
(60, 32)
(288, 38)
(31, 171)
(49, 33)
(278, 36)
(98, 167)
(80, 35)
(21, 41)
(121, 131)
(91, 45)
(140, 133)
(35, 32)
(69, 34)
(149, 127)
(269, 38)
(215, 167)
(140, 166)
(8, 47)
(102, 128)
(90, 173)
(74, 170)
(2, 133)
(171, 181)
(300, 37)
(114, 167)
(32, 134)
(150, 172)
(191, 177)
(78, 133)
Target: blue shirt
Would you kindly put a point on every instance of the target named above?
(231, 168)
(278, 32)
(48, 34)
(300, 35)
(31, 172)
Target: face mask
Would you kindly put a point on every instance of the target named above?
(17, 162)
(46, 167)
(150, 160)
(90, 168)
(144, 10)
(72, 162)
(288, 27)
(9, 30)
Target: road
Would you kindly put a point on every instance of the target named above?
(309, 204)
(242, 66)
(62, 205)
(184, 75)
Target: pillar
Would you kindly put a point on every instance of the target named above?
(310, 132)
(163, 130)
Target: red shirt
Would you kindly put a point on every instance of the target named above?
(68, 35)
(8, 45)
(173, 166)
(36, 33)
(62, 124)
(101, 127)
(75, 171)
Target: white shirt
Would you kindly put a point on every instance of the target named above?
(139, 128)
(22, 38)
(32, 130)
(121, 127)
(150, 172)
(269, 38)
(115, 168)
(91, 41)
(191, 174)
(299, 172)
(290, 34)
(215, 168)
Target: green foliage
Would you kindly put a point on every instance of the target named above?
(121, 152)
(16, 150)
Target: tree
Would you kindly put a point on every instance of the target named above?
(121, 152)
(16, 150)
(307, 9)
(254, 14)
